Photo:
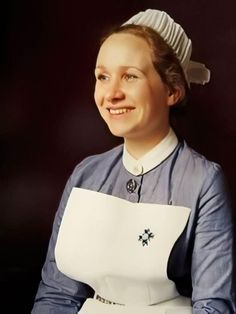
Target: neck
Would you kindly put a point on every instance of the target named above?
(137, 148)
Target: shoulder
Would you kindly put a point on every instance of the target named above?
(102, 158)
(195, 172)
(197, 163)
(198, 180)
(97, 166)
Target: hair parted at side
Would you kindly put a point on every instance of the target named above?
(165, 60)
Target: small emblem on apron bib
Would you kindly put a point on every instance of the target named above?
(146, 236)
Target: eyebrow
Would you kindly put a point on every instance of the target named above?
(125, 67)
(99, 67)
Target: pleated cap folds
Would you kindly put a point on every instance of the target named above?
(177, 39)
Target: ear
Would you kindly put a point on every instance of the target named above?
(175, 95)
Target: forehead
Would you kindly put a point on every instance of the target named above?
(124, 49)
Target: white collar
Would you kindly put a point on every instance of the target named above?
(151, 159)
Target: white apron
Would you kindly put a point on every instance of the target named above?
(121, 250)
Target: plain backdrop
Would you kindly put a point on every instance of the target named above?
(49, 123)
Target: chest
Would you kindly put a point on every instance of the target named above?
(120, 248)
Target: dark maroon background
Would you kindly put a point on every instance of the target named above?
(48, 120)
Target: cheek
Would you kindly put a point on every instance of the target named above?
(143, 92)
(97, 95)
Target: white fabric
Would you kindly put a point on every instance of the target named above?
(198, 73)
(179, 305)
(153, 158)
(98, 243)
(176, 38)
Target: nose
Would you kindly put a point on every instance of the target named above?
(114, 91)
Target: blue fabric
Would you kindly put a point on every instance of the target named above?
(201, 261)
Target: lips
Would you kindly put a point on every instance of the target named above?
(119, 111)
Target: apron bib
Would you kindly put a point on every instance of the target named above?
(121, 249)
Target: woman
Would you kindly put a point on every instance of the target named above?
(145, 227)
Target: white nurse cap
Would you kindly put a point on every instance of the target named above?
(176, 38)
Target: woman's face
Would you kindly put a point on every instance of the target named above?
(129, 93)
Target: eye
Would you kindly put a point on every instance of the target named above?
(102, 77)
(130, 77)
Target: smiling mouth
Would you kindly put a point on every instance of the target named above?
(119, 111)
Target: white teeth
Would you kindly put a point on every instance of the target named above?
(119, 111)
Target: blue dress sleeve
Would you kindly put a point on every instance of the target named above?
(212, 260)
(58, 294)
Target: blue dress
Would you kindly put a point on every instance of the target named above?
(201, 261)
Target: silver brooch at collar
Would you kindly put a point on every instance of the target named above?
(146, 237)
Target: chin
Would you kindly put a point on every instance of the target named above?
(117, 132)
